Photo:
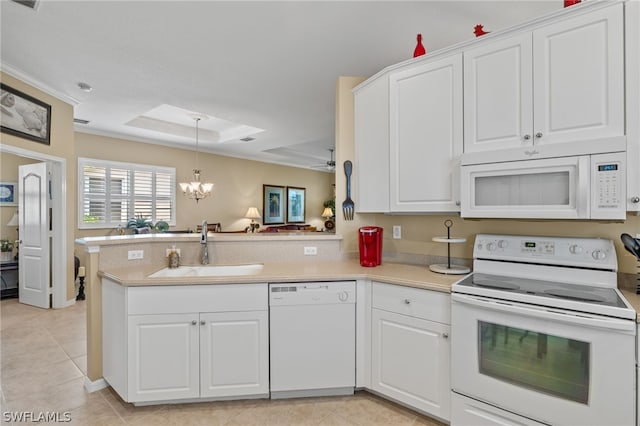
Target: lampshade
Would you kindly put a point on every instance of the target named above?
(252, 213)
(14, 220)
(327, 212)
(196, 189)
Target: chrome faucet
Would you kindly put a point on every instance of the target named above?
(204, 259)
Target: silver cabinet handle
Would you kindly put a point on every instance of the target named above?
(539, 135)
(194, 322)
(635, 200)
(407, 301)
(527, 137)
(445, 335)
(202, 322)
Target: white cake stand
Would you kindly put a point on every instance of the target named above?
(448, 268)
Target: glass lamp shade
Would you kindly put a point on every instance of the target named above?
(196, 189)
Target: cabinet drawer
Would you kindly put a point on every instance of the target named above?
(197, 298)
(426, 304)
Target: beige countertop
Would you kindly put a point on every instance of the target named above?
(418, 276)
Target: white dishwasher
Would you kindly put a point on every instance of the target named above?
(312, 338)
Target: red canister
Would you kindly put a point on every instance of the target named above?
(370, 243)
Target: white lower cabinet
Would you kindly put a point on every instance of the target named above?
(409, 353)
(154, 352)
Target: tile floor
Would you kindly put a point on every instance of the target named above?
(43, 363)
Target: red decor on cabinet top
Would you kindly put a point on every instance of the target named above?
(568, 3)
(479, 31)
(419, 50)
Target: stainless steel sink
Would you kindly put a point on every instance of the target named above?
(208, 271)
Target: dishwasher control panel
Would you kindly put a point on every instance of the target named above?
(311, 293)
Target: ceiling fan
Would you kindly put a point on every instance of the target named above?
(328, 165)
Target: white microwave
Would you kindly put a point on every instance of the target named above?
(579, 187)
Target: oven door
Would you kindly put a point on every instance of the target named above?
(552, 188)
(546, 364)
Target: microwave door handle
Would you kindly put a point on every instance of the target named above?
(546, 314)
(583, 197)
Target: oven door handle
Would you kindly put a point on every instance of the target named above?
(548, 313)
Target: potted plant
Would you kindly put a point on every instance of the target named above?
(6, 250)
(140, 225)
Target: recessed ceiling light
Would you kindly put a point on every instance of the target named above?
(85, 87)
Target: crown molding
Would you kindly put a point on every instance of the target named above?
(23, 76)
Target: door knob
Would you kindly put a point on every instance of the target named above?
(635, 200)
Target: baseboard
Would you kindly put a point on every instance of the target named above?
(96, 385)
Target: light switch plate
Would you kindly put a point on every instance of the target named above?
(397, 232)
(310, 251)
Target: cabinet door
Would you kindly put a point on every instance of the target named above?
(234, 354)
(163, 357)
(410, 361)
(371, 135)
(426, 136)
(498, 95)
(632, 64)
(578, 73)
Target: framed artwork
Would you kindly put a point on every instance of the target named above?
(8, 193)
(273, 203)
(295, 204)
(24, 116)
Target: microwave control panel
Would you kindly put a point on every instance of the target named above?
(608, 183)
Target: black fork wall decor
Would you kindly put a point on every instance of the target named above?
(348, 206)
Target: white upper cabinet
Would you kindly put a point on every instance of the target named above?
(498, 95)
(557, 90)
(632, 63)
(425, 105)
(371, 132)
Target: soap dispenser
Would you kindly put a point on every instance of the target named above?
(174, 258)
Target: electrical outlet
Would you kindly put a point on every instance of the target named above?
(170, 250)
(637, 235)
(310, 251)
(135, 254)
(397, 232)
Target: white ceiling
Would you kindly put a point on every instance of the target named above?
(271, 65)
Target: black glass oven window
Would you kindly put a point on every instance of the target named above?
(542, 362)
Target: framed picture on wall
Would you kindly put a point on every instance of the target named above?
(295, 204)
(273, 204)
(24, 116)
(8, 193)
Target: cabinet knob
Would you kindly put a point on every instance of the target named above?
(407, 301)
(202, 322)
(458, 203)
(539, 135)
(635, 200)
(194, 322)
(445, 335)
(527, 137)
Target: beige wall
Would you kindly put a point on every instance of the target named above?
(61, 146)
(418, 230)
(9, 164)
(238, 182)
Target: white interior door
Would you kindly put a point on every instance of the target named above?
(33, 204)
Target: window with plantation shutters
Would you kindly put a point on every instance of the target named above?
(110, 193)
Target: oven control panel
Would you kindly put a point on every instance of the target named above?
(566, 251)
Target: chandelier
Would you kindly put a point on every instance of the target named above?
(196, 189)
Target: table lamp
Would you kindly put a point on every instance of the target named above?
(252, 214)
(328, 214)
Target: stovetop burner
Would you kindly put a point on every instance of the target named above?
(581, 296)
(502, 284)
